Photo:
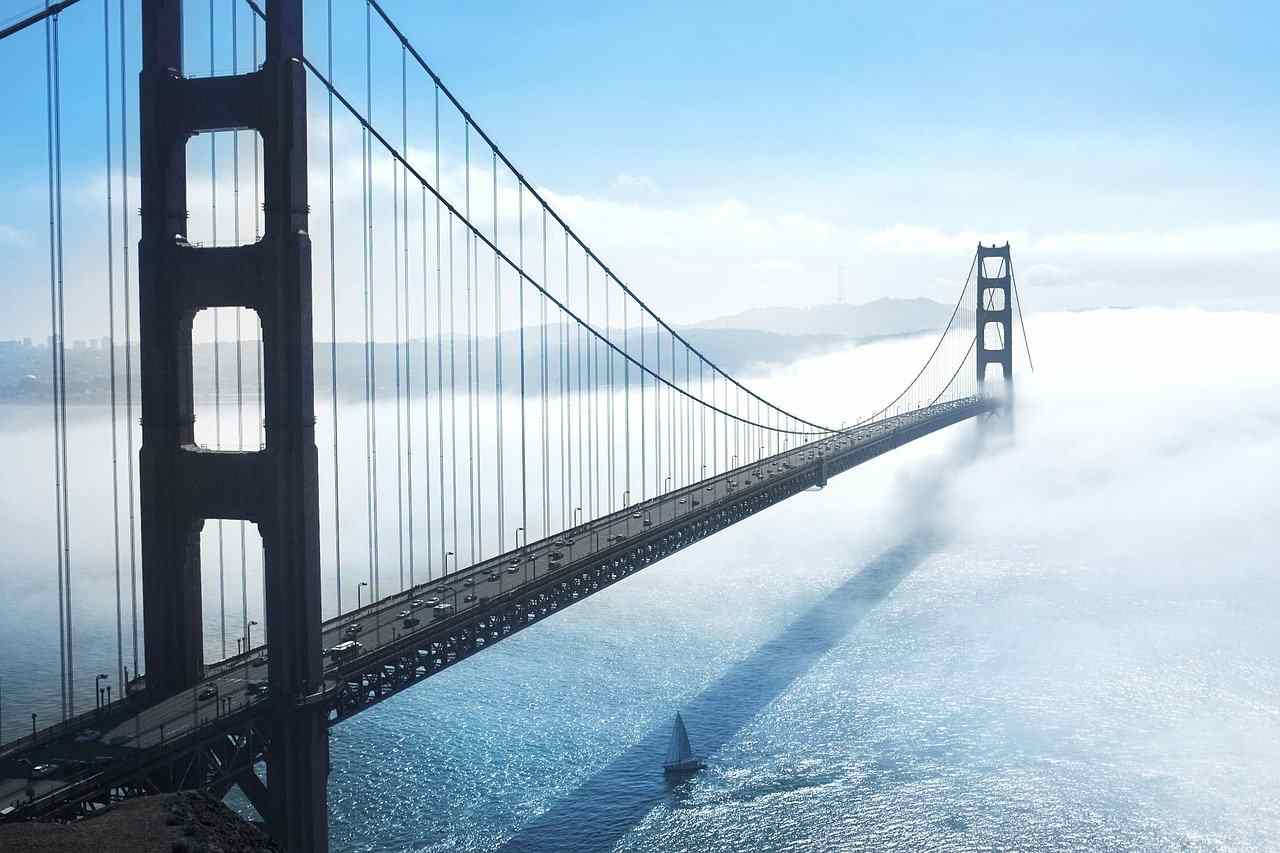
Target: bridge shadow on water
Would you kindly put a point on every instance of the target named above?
(613, 801)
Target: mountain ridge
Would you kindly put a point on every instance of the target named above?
(877, 318)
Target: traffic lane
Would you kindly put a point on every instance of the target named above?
(579, 543)
(384, 623)
(179, 714)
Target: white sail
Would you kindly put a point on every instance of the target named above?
(678, 750)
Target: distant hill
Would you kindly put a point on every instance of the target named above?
(868, 320)
(24, 369)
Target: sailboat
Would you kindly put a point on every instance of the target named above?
(680, 758)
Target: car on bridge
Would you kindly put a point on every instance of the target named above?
(345, 650)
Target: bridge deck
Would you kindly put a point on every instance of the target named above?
(94, 752)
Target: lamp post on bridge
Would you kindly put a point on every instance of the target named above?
(97, 680)
(248, 634)
(520, 551)
(360, 589)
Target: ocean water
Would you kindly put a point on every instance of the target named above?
(1066, 639)
(1066, 642)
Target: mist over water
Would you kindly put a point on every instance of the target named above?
(1064, 641)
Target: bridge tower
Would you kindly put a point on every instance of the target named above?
(995, 314)
(276, 488)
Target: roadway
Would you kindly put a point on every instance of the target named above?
(239, 682)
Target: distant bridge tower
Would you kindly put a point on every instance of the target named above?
(276, 488)
(995, 314)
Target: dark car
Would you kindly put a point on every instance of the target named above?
(207, 692)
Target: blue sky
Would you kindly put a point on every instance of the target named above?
(1127, 152)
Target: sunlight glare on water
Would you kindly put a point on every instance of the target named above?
(1067, 643)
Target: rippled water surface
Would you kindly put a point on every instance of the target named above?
(1066, 643)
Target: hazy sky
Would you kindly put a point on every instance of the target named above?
(722, 158)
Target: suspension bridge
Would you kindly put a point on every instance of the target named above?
(552, 435)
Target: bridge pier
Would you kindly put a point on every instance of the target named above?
(277, 487)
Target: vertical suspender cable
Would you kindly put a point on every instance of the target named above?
(440, 349)
(217, 346)
(111, 339)
(235, 230)
(524, 463)
(546, 423)
(453, 398)
(566, 483)
(395, 323)
(333, 333)
(128, 347)
(644, 470)
(368, 384)
(590, 499)
(62, 365)
(582, 432)
(626, 397)
(657, 410)
(609, 354)
(473, 262)
(257, 350)
(497, 359)
(672, 418)
(373, 338)
(408, 374)
(471, 433)
(53, 354)
(426, 394)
